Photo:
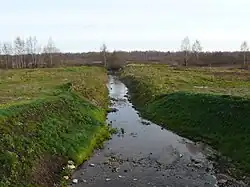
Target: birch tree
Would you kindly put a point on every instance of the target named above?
(22, 53)
(31, 49)
(50, 49)
(7, 51)
(196, 48)
(19, 46)
(104, 51)
(244, 48)
(185, 48)
(39, 55)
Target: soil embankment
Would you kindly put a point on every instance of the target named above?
(144, 154)
(63, 119)
(194, 103)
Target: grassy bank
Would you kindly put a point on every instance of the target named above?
(211, 105)
(47, 117)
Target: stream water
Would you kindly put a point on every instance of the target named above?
(143, 153)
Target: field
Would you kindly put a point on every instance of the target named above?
(203, 104)
(47, 117)
(21, 85)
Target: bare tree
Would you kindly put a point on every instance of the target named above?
(22, 53)
(31, 49)
(19, 51)
(7, 51)
(50, 49)
(185, 47)
(28, 48)
(39, 55)
(196, 48)
(104, 51)
(244, 48)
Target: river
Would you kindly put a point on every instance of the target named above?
(142, 153)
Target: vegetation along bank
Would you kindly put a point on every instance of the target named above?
(205, 104)
(48, 117)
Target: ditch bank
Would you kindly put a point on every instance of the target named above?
(39, 137)
(217, 120)
(143, 153)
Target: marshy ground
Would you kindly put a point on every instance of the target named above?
(51, 116)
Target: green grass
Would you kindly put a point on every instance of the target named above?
(59, 116)
(164, 79)
(20, 85)
(210, 105)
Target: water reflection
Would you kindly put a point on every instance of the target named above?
(150, 138)
(152, 156)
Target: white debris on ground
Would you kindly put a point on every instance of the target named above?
(75, 181)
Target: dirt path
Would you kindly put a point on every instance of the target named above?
(144, 154)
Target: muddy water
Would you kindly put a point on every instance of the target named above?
(143, 154)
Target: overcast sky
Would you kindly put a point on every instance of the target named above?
(80, 25)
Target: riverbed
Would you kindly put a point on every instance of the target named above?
(142, 153)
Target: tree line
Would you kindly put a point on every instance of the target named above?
(196, 49)
(27, 53)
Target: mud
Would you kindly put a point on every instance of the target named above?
(144, 154)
